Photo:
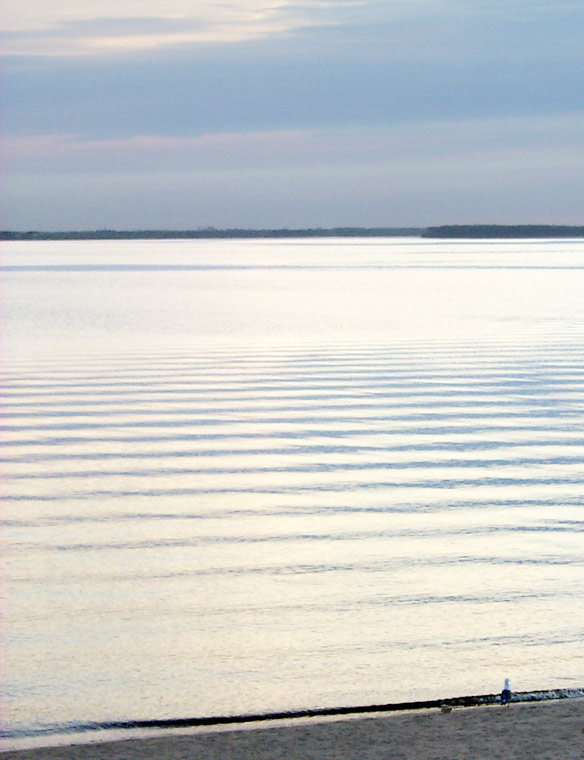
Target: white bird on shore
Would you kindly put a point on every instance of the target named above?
(506, 693)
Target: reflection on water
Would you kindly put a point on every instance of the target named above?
(249, 476)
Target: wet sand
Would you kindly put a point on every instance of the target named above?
(542, 730)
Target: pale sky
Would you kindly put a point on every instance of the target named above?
(277, 113)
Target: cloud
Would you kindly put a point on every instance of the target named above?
(99, 26)
(127, 35)
(463, 140)
(481, 170)
(260, 88)
(310, 64)
(109, 27)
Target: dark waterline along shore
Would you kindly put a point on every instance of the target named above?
(546, 730)
(250, 719)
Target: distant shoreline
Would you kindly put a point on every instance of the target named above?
(489, 231)
(211, 233)
(475, 231)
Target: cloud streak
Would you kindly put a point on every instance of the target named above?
(463, 141)
(473, 171)
(90, 28)
(107, 27)
(259, 90)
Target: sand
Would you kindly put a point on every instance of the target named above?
(553, 730)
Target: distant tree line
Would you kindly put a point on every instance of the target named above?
(211, 232)
(503, 231)
(477, 231)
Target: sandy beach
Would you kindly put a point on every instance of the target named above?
(540, 730)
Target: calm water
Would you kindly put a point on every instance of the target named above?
(261, 475)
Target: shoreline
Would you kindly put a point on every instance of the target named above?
(115, 732)
(444, 232)
(548, 728)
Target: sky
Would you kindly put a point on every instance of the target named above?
(290, 113)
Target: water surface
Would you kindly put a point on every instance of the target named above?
(246, 476)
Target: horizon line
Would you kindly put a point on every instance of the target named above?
(441, 231)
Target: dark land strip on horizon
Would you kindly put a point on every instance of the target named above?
(212, 233)
(476, 231)
(504, 231)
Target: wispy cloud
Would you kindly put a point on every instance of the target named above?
(457, 142)
(94, 26)
(386, 28)
(504, 170)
